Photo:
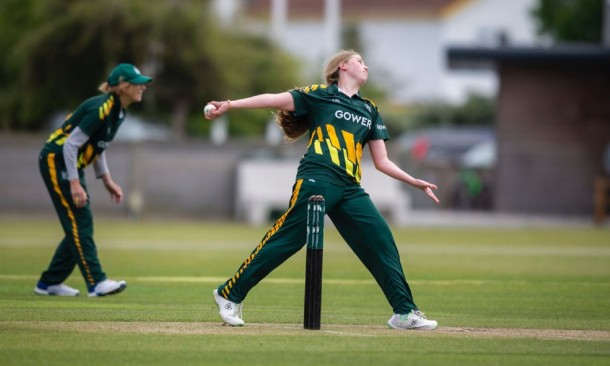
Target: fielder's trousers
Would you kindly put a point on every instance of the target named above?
(77, 247)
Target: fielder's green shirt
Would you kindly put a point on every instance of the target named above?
(100, 118)
(339, 127)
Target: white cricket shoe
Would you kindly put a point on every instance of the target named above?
(107, 287)
(415, 320)
(230, 312)
(55, 290)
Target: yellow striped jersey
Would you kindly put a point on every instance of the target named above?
(100, 118)
(339, 127)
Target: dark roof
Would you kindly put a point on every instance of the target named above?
(360, 8)
(487, 57)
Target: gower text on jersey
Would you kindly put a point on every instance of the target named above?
(336, 142)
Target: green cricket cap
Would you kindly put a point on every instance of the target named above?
(128, 73)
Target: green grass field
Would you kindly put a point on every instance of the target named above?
(501, 297)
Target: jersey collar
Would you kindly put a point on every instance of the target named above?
(334, 89)
(121, 112)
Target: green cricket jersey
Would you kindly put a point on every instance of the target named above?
(339, 127)
(100, 118)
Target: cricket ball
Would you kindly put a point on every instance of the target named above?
(208, 108)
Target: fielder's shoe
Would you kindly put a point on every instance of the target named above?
(107, 287)
(55, 290)
(414, 320)
(230, 312)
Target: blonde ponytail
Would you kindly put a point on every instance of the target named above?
(293, 127)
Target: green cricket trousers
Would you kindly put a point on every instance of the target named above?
(77, 247)
(356, 219)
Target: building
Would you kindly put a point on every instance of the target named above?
(552, 123)
(403, 41)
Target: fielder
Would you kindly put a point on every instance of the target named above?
(80, 141)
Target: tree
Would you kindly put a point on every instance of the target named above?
(16, 18)
(67, 47)
(570, 20)
(476, 110)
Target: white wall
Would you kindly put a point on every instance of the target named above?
(408, 56)
(302, 39)
(404, 57)
(480, 25)
(475, 23)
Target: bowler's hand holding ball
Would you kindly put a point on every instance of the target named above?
(207, 109)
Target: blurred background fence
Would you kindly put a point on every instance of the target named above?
(504, 104)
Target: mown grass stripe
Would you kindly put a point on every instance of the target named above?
(329, 281)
